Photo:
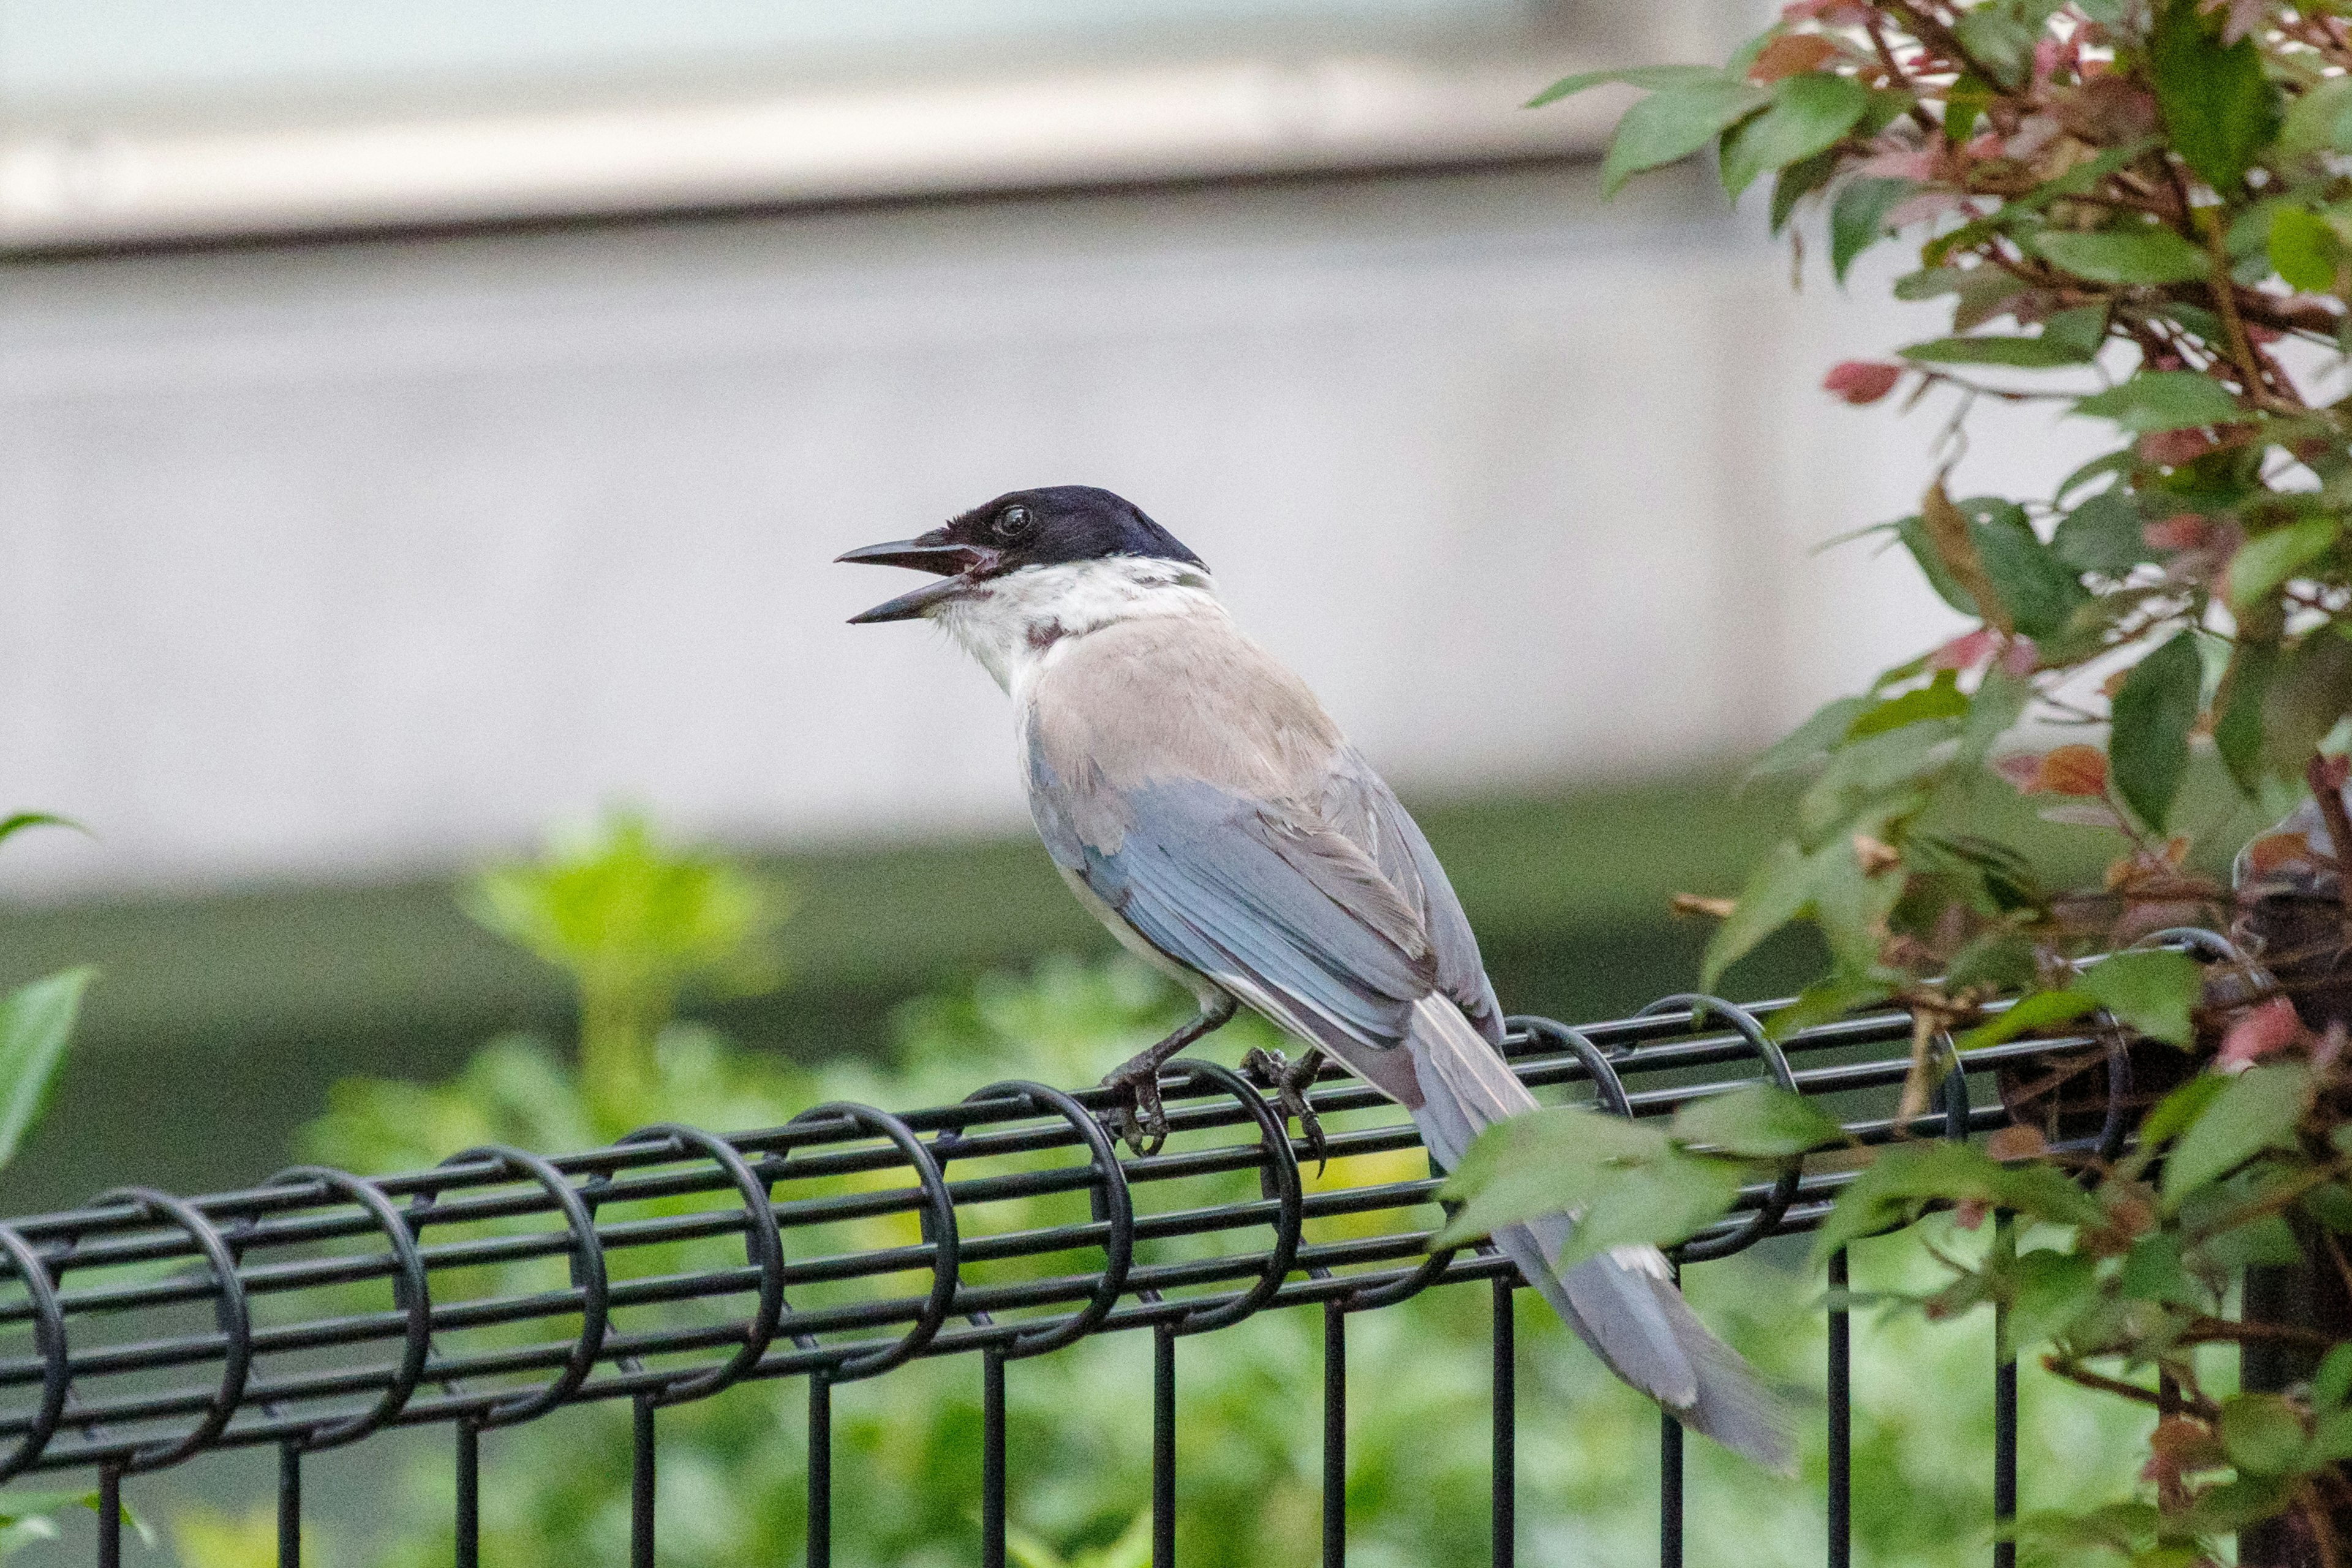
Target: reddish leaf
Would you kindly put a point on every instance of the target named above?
(1791, 54)
(2073, 770)
(2186, 532)
(1862, 381)
(2174, 448)
(2263, 1031)
(2021, 769)
(1966, 651)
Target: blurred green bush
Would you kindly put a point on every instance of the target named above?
(731, 1476)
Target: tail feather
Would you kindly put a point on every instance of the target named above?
(1624, 1303)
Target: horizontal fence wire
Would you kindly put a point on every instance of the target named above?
(319, 1307)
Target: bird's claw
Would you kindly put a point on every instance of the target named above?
(1136, 1117)
(1270, 1069)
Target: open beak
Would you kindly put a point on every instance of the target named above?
(959, 565)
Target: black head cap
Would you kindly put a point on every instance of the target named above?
(1046, 527)
(1057, 524)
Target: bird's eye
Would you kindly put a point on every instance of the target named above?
(1014, 525)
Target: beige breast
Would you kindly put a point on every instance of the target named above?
(1169, 697)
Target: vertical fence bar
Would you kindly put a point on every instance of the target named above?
(1841, 1414)
(820, 1471)
(1670, 1477)
(992, 1460)
(2005, 1421)
(641, 1484)
(110, 1517)
(1163, 1447)
(1506, 1482)
(290, 1506)
(470, 1495)
(1335, 1435)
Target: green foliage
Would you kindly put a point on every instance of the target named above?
(2141, 216)
(37, 1023)
(1633, 1184)
(632, 922)
(732, 1475)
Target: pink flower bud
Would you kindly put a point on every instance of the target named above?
(2263, 1031)
(2173, 448)
(1966, 651)
(1861, 381)
(2186, 532)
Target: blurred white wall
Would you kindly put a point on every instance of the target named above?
(337, 560)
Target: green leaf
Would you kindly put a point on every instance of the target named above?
(1931, 282)
(2333, 1381)
(2258, 1110)
(2082, 328)
(2238, 712)
(1867, 779)
(2234, 1505)
(1809, 113)
(2261, 1433)
(1825, 1000)
(2148, 745)
(2149, 992)
(2215, 100)
(2305, 250)
(1893, 1187)
(2049, 1291)
(2141, 254)
(2266, 1240)
(2103, 535)
(2163, 400)
(2320, 120)
(1858, 218)
(1674, 123)
(2000, 701)
(2038, 590)
(1809, 739)
(2177, 1113)
(1851, 906)
(1797, 181)
(1654, 78)
(1939, 698)
(1628, 1184)
(2267, 560)
(2038, 1011)
(1761, 1121)
(2023, 353)
(36, 1022)
(2310, 691)
(2117, 462)
(2153, 1271)
(24, 819)
(1778, 890)
(1913, 533)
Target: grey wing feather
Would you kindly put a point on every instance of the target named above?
(1230, 886)
(1358, 803)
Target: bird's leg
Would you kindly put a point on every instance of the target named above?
(1269, 1069)
(1135, 1114)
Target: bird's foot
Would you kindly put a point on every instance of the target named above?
(1270, 1069)
(1135, 1115)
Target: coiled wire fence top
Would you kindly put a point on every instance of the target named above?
(317, 1308)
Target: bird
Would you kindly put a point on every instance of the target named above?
(1201, 804)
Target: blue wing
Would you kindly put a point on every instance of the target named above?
(1239, 891)
(1358, 803)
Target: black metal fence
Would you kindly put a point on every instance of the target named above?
(317, 1309)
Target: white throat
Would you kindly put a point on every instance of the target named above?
(1013, 624)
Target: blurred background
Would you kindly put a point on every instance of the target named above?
(426, 425)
